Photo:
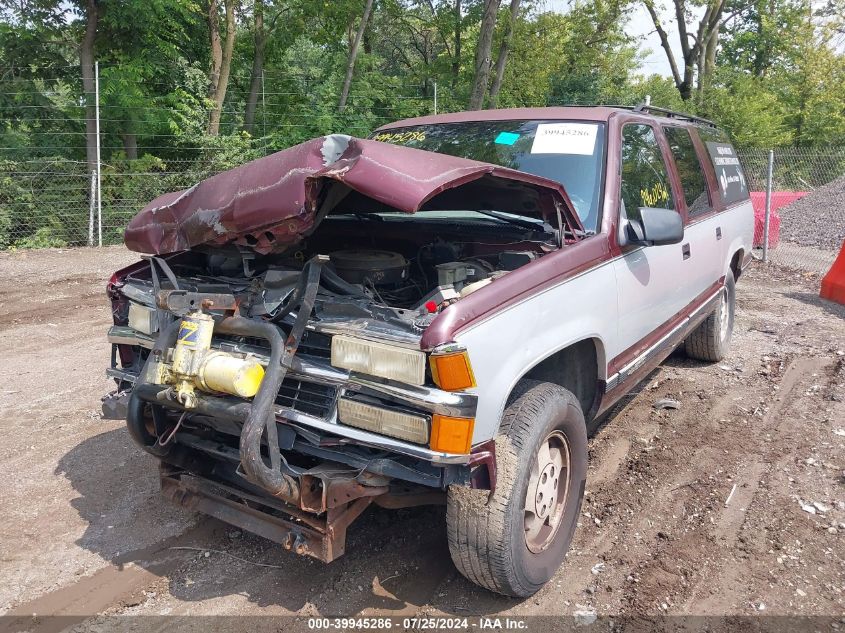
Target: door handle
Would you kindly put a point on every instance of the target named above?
(685, 250)
(718, 233)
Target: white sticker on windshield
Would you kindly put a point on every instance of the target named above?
(565, 138)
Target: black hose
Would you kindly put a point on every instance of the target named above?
(261, 413)
(212, 406)
(255, 416)
(136, 407)
(335, 282)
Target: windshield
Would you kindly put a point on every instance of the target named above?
(569, 152)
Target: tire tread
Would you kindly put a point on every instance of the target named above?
(477, 535)
(704, 342)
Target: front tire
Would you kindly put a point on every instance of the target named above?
(514, 542)
(711, 340)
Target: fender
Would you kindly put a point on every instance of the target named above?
(582, 307)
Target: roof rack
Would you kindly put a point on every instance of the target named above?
(647, 108)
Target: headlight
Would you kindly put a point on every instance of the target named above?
(403, 426)
(378, 359)
(142, 318)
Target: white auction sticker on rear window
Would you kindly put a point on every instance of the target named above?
(565, 138)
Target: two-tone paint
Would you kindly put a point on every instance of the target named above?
(633, 304)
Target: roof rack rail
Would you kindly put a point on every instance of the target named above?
(647, 108)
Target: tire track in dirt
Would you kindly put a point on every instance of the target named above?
(754, 465)
(73, 478)
(121, 581)
(685, 500)
(53, 309)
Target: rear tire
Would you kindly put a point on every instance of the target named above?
(711, 340)
(514, 542)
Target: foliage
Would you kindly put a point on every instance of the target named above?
(779, 80)
(749, 109)
(780, 75)
(44, 237)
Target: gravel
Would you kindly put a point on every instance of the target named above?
(817, 219)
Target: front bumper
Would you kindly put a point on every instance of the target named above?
(314, 371)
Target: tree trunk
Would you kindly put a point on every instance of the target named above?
(353, 55)
(130, 145)
(86, 62)
(456, 60)
(260, 39)
(502, 59)
(664, 42)
(710, 58)
(693, 56)
(216, 48)
(482, 54)
(762, 54)
(685, 89)
(225, 66)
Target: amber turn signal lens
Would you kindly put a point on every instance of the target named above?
(451, 435)
(452, 371)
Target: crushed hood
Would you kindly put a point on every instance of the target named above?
(275, 201)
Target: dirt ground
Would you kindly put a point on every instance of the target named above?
(733, 503)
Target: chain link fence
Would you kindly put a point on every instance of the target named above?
(47, 194)
(52, 202)
(807, 205)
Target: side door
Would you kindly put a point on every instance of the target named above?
(652, 281)
(703, 231)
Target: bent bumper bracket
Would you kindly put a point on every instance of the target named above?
(323, 538)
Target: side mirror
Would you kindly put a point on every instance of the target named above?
(656, 227)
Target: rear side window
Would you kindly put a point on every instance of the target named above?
(732, 184)
(645, 179)
(689, 169)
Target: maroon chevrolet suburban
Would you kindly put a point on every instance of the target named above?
(439, 314)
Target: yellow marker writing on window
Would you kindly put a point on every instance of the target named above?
(656, 193)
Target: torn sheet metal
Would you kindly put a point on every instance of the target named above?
(275, 201)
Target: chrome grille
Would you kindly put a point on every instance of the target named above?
(312, 344)
(311, 398)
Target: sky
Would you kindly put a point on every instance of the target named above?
(639, 25)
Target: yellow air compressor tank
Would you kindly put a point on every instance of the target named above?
(196, 365)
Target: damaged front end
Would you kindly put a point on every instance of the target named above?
(244, 411)
(278, 370)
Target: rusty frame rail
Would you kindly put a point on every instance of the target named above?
(322, 537)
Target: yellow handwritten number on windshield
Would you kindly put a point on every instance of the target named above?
(413, 136)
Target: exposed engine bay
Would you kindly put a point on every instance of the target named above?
(390, 286)
(233, 359)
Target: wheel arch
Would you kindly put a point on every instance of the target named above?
(736, 263)
(578, 366)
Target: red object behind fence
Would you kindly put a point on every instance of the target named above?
(833, 283)
(779, 199)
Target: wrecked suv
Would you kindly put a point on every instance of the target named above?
(436, 315)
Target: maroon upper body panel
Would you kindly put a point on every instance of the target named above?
(273, 202)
